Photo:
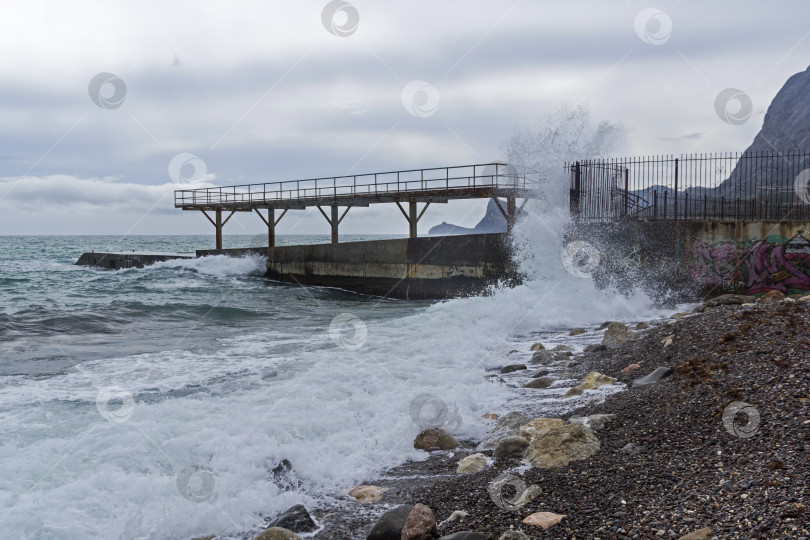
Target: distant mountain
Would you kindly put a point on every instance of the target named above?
(492, 222)
(786, 127)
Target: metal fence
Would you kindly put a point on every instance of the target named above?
(759, 186)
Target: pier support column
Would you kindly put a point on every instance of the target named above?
(218, 224)
(412, 216)
(271, 223)
(335, 220)
(511, 212)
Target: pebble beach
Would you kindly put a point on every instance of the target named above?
(718, 447)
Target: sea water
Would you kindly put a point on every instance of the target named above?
(156, 402)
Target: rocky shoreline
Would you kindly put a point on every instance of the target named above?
(718, 447)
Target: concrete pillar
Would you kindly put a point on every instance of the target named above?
(271, 227)
(335, 219)
(511, 212)
(413, 219)
(218, 226)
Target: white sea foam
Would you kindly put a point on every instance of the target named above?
(235, 410)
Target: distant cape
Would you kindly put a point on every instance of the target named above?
(492, 222)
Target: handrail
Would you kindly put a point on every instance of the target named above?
(312, 190)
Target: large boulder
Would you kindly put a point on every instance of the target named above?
(435, 438)
(277, 533)
(510, 446)
(420, 525)
(618, 333)
(544, 357)
(561, 445)
(472, 464)
(507, 425)
(390, 524)
(296, 519)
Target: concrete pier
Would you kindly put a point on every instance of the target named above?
(411, 268)
(127, 260)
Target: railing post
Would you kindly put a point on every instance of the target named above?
(626, 189)
(676, 188)
(574, 196)
(655, 204)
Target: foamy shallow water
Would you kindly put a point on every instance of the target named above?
(219, 400)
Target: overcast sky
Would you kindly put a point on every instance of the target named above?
(270, 90)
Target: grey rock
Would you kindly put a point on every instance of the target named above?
(390, 524)
(658, 374)
(543, 357)
(507, 425)
(296, 519)
(618, 333)
(725, 300)
(513, 535)
(465, 535)
(594, 421)
(511, 368)
(632, 448)
(540, 382)
(563, 348)
(277, 533)
(540, 373)
(509, 446)
(595, 348)
(642, 326)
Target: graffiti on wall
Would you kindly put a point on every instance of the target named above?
(761, 267)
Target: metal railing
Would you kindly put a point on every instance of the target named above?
(460, 180)
(758, 186)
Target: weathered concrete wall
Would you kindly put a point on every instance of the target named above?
(431, 267)
(127, 260)
(701, 258)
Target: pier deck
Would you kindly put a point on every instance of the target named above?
(412, 186)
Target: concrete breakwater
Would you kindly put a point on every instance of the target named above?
(413, 268)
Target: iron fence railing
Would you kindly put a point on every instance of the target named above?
(763, 186)
(449, 180)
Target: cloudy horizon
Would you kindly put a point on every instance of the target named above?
(265, 91)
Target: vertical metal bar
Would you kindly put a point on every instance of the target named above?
(413, 218)
(676, 188)
(271, 227)
(626, 190)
